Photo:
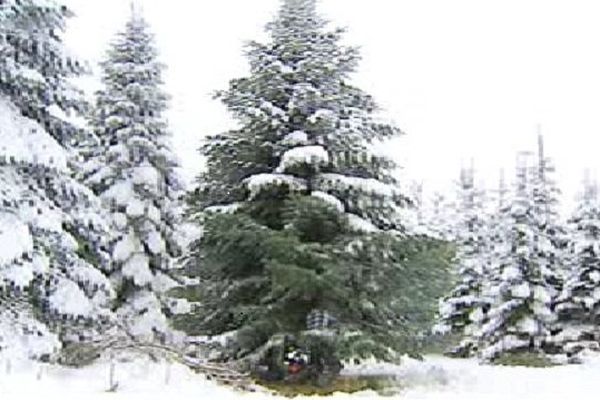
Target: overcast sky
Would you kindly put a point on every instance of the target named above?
(463, 78)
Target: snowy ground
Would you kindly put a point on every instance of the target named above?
(437, 378)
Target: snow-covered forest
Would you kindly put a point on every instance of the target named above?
(300, 260)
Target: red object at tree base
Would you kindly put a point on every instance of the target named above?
(294, 368)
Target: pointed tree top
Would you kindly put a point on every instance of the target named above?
(136, 9)
(541, 156)
(590, 187)
(522, 163)
(296, 13)
(502, 189)
(294, 6)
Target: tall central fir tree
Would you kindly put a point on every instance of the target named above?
(135, 172)
(465, 307)
(52, 250)
(301, 233)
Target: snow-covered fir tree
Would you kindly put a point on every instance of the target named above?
(498, 244)
(521, 316)
(134, 171)
(299, 216)
(52, 249)
(464, 308)
(498, 222)
(552, 244)
(578, 306)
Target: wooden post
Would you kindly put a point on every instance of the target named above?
(168, 373)
(40, 372)
(112, 384)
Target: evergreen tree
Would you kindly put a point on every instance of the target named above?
(498, 226)
(499, 218)
(520, 318)
(466, 305)
(551, 246)
(578, 306)
(134, 171)
(52, 229)
(299, 217)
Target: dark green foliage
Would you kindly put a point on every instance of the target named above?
(300, 217)
(312, 222)
(265, 281)
(524, 359)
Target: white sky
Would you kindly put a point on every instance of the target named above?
(463, 78)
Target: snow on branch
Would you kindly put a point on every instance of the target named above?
(72, 119)
(138, 270)
(223, 209)
(69, 299)
(312, 155)
(329, 199)
(360, 224)
(365, 185)
(15, 238)
(296, 138)
(23, 140)
(256, 183)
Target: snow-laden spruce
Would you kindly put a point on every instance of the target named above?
(300, 216)
(521, 316)
(498, 243)
(464, 308)
(578, 306)
(52, 230)
(550, 248)
(134, 171)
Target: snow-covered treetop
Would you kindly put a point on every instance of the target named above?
(546, 193)
(471, 203)
(128, 118)
(585, 220)
(131, 104)
(587, 200)
(299, 24)
(300, 116)
(131, 63)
